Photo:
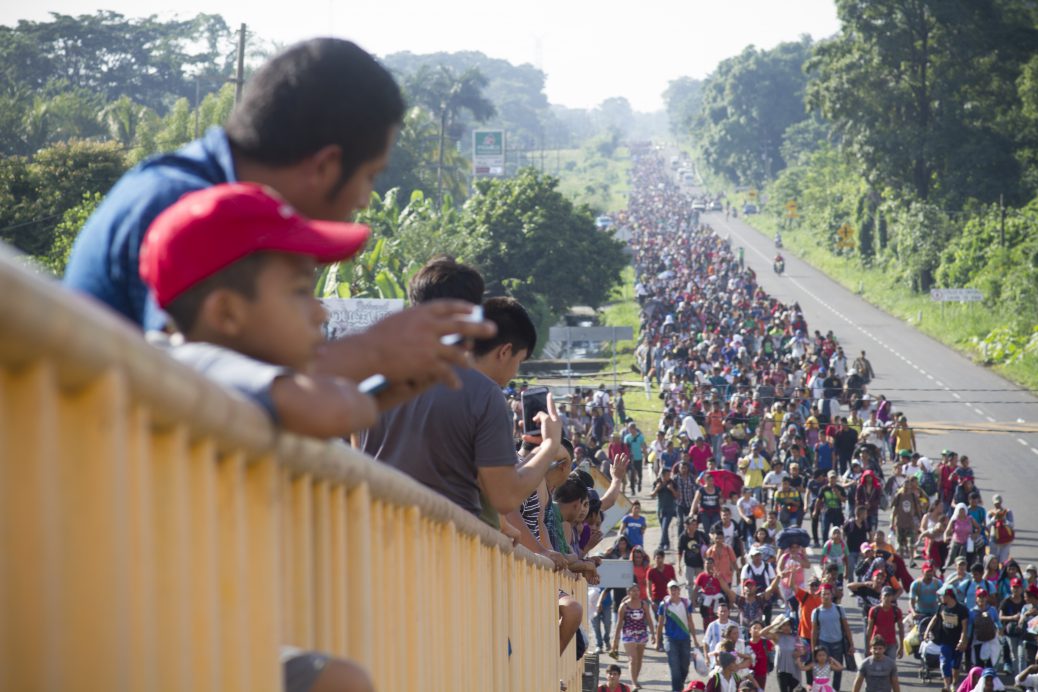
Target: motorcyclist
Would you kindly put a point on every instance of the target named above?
(779, 264)
(778, 239)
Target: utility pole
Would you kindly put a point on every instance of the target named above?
(239, 79)
(1002, 212)
(198, 93)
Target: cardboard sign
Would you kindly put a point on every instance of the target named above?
(352, 315)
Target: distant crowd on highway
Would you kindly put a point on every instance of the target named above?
(787, 493)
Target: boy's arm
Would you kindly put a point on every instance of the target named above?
(321, 405)
(508, 486)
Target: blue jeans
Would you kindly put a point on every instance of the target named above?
(602, 622)
(679, 657)
(835, 650)
(665, 519)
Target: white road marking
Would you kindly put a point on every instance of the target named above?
(990, 419)
(929, 376)
(956, 395)
(1022, 441)
(1034, 450)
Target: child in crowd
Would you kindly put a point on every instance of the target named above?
(233, 265)
(823, 667)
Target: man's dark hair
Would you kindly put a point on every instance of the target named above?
(571, 490)
(445, 277)
(584, 477)
(514, 327)
(316, 93)
(239, 276)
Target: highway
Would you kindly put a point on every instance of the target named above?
(953, 402)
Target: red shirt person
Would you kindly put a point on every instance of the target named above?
(659, 575)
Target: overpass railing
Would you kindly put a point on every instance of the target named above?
(156, 532)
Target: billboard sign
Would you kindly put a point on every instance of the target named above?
(488, 153)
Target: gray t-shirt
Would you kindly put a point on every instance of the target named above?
(877, 673)
(827, 623)
(442, 437)
(785, 659)
(227, 368)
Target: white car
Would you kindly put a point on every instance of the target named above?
(699, 205)
(603, 222)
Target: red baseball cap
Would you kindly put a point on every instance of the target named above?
(208, 230)
(1016, 581)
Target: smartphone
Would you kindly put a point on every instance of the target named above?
(535, 400)
(476, 316)
(373, 385)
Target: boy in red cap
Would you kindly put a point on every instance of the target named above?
(233, 265)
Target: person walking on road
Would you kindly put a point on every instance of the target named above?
(674, 628)
(878, 672)
(634, 623)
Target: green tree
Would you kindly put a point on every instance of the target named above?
(151, 61)
(923, 92)
(537, 246)
(749, 102)
(684, 101)
(65, 233)
(446, 94)
(34, 194)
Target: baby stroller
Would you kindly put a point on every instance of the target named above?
(926, 651)
(929, 661)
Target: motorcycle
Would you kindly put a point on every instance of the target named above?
(778, 240)
(779, 266)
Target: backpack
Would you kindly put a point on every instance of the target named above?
(984, 627)
(928, 483)
(761, 578)
(1003, 532)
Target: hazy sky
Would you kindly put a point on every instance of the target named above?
(589, 50)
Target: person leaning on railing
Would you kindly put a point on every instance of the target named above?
(232, 265)
(316, 124)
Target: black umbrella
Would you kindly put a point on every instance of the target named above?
(793, 536)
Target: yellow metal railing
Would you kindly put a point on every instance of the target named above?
(157, 533)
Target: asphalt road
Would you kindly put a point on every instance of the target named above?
(953, 403)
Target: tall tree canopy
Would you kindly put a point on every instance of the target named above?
(748, 103)
(924, 93)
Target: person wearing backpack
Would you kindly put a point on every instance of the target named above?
(723, 677)
(1001, 529)
(675, 629)
(885, 621)
(984, 626)
(831, 631)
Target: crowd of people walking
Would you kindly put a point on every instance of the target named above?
(789, 496)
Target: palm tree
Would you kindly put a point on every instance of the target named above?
(122, 118)
(447, 94)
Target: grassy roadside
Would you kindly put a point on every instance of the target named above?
(588, 177)
(952, 324)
